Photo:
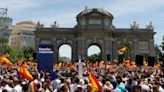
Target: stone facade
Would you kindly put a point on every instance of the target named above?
(94, 27)
(23, 35)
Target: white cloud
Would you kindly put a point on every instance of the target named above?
(65, 20)
(18, 5)
(123, 7)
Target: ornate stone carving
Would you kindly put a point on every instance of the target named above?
(58, 41)
(55, 25)
(150, 26)
(135, 26)
(143, 46)
(70, 41)
(89, 40)
(39, 25)
(94, 39)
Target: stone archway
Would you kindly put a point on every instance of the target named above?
(96, 26)
(94, 53)
(65, 53)
(60, 44)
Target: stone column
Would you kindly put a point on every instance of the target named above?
(151, 47)
(74, 51)
(109, 48)
(55, 50)
(134, 49)
(81, 50)
(104, 55)
(114, 52)
(84, 54)
(37, 42)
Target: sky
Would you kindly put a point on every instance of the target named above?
(125, 12)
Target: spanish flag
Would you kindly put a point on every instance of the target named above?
(5, 61)
(25, 73)
(122, 49)
(96, 87)
(145, 64)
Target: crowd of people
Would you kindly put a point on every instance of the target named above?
(111, 77)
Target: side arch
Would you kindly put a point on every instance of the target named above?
(91, 52)
(61, 43)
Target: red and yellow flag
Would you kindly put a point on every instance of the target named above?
(96, 87)
(5, 61)
(122, 49)
(25, 73)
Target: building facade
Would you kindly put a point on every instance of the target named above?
(95, 27)
(5, 31)
(22, 35)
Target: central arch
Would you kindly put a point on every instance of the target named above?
(94, 53)
(65, 53)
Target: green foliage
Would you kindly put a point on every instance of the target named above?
(28, 52)
(3, 40)
(158, 51)
(95, 58)
(6, 49)
(125, 55)
(3, 45)
(15, 54)
(64, 59)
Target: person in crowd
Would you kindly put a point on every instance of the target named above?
(115, 79)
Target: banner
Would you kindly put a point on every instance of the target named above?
(45, 57)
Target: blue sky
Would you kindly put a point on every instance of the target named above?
(64, 11)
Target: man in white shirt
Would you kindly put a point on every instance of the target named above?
(18, 87)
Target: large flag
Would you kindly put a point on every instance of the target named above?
(5, 61)
(122, 49)
(25, 73)
(96, 87)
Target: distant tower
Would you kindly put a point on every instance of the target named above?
(3, 12)
(3, 17)
(5, 23)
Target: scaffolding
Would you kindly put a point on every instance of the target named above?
(3, 12)
(4, 21)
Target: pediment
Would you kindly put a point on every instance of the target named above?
(94, 14)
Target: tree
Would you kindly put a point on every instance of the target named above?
(28, 53)
(3, 44)
(158, 51)
(124, 55)
(95, 58)
(15, 55)
(162, 44)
